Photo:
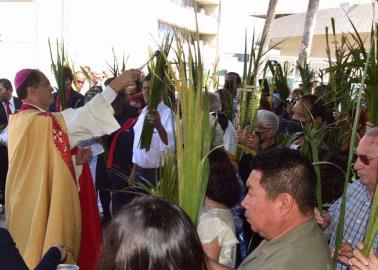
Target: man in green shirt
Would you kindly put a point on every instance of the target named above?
(279, 206)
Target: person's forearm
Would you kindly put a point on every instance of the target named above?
(50, 260)
(109, 94)
(213, 265)
(163, 134)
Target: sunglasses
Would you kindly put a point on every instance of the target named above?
(365, 160)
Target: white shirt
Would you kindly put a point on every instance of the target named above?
(154, 158)
(218, 223)
(12, 106)
(230, 139)
(4, 136)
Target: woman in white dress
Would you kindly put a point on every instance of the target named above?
(216, 228)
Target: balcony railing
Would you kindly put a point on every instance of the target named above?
(183, 17)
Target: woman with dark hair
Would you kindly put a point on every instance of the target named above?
(120, 145)
(311, 108)
(216, 226)
(152, 233)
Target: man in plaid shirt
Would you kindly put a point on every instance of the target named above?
(359, 196)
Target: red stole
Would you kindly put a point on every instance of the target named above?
(91, 234)
(128, 124)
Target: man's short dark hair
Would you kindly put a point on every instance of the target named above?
(6, 83)
(287, 171)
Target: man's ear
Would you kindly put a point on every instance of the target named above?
(30, 90)
(286, 203)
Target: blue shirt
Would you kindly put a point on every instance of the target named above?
(357, 210)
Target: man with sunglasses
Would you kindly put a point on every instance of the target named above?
(358, 203)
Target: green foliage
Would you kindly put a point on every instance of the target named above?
(313, 137)
(340, 227)
(167, 186)
(57, 68)
(158, 71)
(307, 76)
(115, 68)
(360, 57)
(251, 94)
(193, 140)
(280, 78)
(339, 93)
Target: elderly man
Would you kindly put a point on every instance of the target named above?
(279, 206)
(43, 196)
(358, 201)
(79, 80)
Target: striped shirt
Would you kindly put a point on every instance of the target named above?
(357, 210)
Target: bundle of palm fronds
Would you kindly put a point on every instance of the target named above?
(360, 56)
(115, 68)
(167, 186)
(280, 78)
(307, 76)
(371, 232)
(313, 138)
(211, 78)
(193, 136)
(339, 94)
(251, 94)
(58, 71)
(158, 71)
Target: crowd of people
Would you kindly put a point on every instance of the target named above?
(64, 172)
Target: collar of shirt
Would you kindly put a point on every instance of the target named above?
(11, 104)
(35, 106)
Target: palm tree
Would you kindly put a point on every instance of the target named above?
(308, 31)
(270, 16)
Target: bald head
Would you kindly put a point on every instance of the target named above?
(372, 132)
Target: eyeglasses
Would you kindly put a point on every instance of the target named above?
(261, 129)
(218, 113)
(365, 160)
(77, 81)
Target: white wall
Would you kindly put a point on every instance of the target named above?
(90, 29)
